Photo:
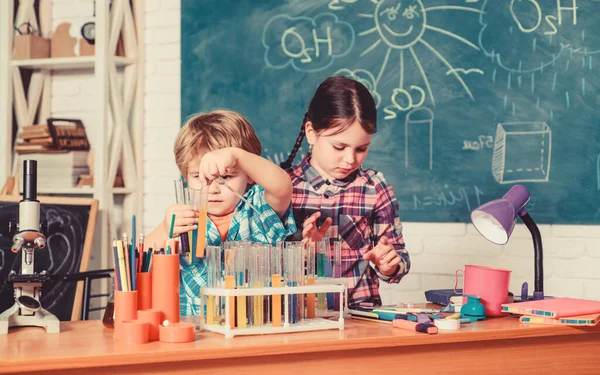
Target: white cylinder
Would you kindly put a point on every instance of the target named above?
(29, 215)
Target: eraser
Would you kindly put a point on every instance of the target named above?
(447, 324)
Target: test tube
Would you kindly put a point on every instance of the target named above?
(213, 265)
(275, 271)
(240, 283)
(310, 258)
(229, 269)
(179, 199)
(337, 269)
(200, 199)
(322, 249)
(293, 277)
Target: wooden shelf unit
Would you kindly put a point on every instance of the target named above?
(117, 133)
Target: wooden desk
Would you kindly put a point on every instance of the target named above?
(490, 347)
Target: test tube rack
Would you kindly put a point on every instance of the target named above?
(306, 324)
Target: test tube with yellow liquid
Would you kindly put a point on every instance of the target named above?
(213, 265)
(322, 248)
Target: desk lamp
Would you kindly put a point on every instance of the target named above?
(496, 220)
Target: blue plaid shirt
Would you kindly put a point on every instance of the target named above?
(245, 224)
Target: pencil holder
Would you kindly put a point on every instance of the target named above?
(143, 283)
(152, 317)
(177, 332)
(134, 332)
(165, 286)
(125, 309)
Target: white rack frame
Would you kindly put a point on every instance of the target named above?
(123, 146)
(313, 324)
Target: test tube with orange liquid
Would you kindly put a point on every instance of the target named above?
(200, 201)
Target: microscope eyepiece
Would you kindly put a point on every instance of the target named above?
(29, 180)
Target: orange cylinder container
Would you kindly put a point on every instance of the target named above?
(152, 317)
(143, 284)
(125, 309)
(165, 286)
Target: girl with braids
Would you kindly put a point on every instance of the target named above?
(331, 192)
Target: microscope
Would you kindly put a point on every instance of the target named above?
(27, 310)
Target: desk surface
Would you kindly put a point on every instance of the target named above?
(89, 345)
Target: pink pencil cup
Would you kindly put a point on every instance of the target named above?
(491, 284)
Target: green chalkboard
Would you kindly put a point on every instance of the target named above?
(473, 95)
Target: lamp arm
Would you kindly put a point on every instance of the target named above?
(539, 257)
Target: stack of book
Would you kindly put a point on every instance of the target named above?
(564, 311)
(35, 138)
(59, 170)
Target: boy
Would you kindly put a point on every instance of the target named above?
(223, 145)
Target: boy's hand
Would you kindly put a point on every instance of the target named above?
(217, 163)
(311, 231)
(186, 218)
(384, 256)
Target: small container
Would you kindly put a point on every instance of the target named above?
(152, 317)
(125, 309)
(177, 332)
(473, 309)
(134, 332)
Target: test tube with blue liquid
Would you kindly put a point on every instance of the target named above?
(336, 260)
(293, 272)
(311, 274)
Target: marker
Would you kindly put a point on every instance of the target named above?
(413, 326)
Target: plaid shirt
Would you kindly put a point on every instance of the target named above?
(361, 207)
(245, 224)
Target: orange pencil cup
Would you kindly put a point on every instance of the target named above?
(143, 283)
(165, 286)
(125, 309)
(134, 332)
(152, 317)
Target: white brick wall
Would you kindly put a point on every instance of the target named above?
(572, 252)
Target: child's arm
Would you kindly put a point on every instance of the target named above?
(389, 255)
(274, 180)
(186, 218)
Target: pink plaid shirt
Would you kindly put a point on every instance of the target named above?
(363, 208)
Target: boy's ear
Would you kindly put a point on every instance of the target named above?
(311, 134)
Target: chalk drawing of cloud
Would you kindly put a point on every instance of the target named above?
(306, 44)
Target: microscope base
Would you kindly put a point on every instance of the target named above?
(41, 318)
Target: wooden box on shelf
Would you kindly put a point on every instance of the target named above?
(31, 47)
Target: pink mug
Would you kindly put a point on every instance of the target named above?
(491, 284)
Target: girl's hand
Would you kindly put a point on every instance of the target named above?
(310, 230)
(217, 163)
(384, 256)
(186, 218)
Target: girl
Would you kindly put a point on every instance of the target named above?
(357, 204)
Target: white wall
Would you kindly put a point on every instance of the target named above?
(572, 253)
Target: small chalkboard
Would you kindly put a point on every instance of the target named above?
(70, 223)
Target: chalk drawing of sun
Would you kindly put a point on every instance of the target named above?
(400, 25)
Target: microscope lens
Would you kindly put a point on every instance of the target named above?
(29, 303)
